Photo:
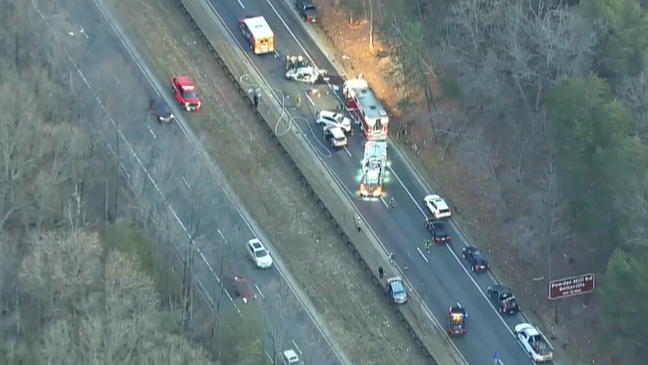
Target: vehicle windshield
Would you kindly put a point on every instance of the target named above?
(261, 253)
(439, 229)
(478, 256)
(398, 289)
(189, 94)
(309, 7)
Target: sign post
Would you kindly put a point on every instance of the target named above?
(572, 286)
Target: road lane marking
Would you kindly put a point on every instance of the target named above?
(152, 133)
(259, 290)
(422, 255)
(297, 348)
(384, 202)
(347, 151)
(310, 99)
(84, 32)
(132, 151)
(240, 3)
(188, 186)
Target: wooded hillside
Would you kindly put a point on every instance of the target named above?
(532, 117)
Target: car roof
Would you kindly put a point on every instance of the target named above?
(437, 200)
(501, 288)
(328, 113)
(336, 132)
(256, 244)
(455, 309)
(438, 225)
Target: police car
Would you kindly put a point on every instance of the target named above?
(437, 207)
(327, 119)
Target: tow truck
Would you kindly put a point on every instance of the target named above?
(534, 343)
(457, 320)
(373, 169)
(362, 103)
(298, 69)
(258, 34)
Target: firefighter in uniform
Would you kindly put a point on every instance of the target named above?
(428, 245)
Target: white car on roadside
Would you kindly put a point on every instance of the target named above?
(437, 207)
(326, 119)
(259, 254)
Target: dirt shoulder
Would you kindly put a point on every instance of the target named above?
(261, 177)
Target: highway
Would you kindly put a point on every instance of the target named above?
(165, 167)
(441, 278)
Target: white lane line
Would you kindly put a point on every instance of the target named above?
(152, 133)
(84, 32)
(240, 3)
(259, 290)
(139, 161)
(347, 151)
(310, 99)
(221, 235)
(384, 202)
(186, 183)
(422, 255)
(297, 348)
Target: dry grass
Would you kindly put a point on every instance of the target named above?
(361, 322)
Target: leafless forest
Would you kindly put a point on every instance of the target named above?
(530, 116)
(86, 273)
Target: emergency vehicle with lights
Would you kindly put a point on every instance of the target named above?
(361, 102)
(457, 320)
(184, 92)
(374, 165)
(257, 32)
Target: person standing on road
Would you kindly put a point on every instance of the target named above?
(358, 223)
(428, 245)
(381, 272)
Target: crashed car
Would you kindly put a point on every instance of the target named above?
(161, 110)
(327, 119)
(298, 69)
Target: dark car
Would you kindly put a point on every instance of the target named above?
(438, 230)
(503, 299)
(475, 258)
(396, 290)
(161, 110)
(457, 321)
(306, 10)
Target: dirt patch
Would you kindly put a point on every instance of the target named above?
(261, 177)
(491, 182)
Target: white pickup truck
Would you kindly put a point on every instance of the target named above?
(534, 343)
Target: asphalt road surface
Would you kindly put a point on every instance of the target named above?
(441, 278)
(163, 164)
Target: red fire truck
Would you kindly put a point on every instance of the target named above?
(361, 102)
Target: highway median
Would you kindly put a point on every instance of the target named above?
(425, 329)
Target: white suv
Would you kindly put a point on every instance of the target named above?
(327, 119)
(259, 254)
(437, 206)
